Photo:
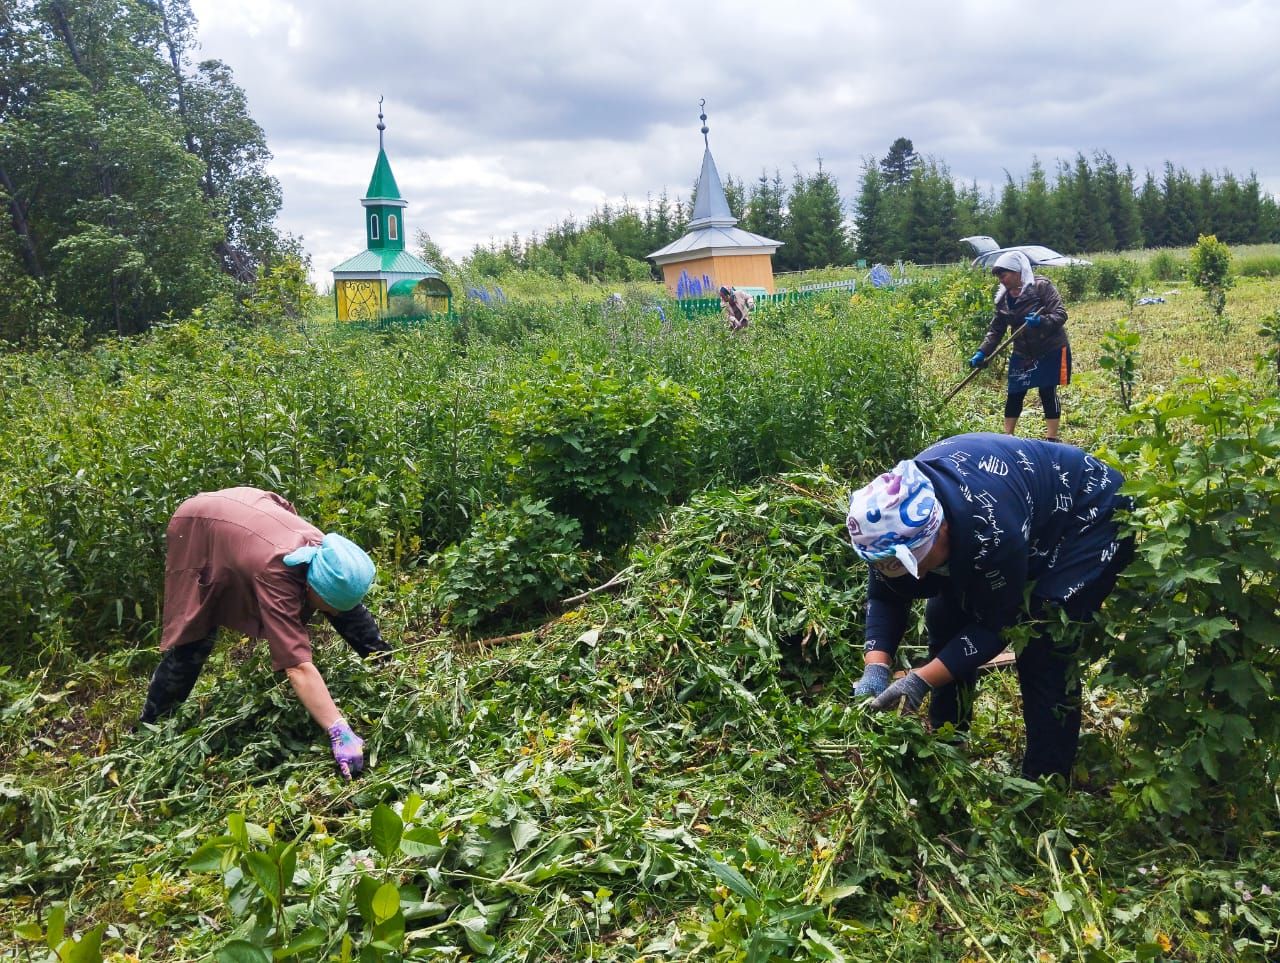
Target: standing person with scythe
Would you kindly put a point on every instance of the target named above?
(1030, 306)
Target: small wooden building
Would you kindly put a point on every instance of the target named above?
(715, 248)
(385, 279)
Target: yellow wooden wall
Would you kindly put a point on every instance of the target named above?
(741, 271)
(361, 300)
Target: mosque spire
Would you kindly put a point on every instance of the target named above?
(382, 126)
(710, 208)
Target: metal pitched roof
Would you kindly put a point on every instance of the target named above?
(387, 262)
(712, 228)
(717, 239)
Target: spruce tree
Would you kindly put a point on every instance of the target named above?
(873, 219)
(766, 209)
(1037, 210)
(897, 165)
(817, 220)
(1151, 212)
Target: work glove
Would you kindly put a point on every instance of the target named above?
(348, 748)
(977, 360)
(910, 690)
(875, 679)
(1032, 320)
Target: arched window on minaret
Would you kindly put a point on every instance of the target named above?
(373, 226)
(392, 232)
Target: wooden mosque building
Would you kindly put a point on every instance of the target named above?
(715, 250)
(385, 279)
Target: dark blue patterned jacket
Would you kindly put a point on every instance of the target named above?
(1021, 514)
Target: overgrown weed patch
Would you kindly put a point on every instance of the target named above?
(673, 772)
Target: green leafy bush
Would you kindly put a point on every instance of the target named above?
(515, 558)
(1076, 281)
(1115, 278)
(1195, 622)
(1119, 355)
(964, 307)
(1166, 265)
(600, 446)
(1211, 272)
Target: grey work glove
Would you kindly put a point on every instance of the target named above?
(910, 690)
(875, 679)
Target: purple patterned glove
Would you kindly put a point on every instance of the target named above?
(348, 748)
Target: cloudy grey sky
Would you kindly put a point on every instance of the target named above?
(508, 115)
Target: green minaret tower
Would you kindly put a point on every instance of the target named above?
(385, 279)
(383, 206)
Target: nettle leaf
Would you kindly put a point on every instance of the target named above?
(237, 828)
(386, 828)
(241, 951)
(732, 879)
(266, 874)
(57, 924)
(208, 858)
(385, 903)
(311, 938)
(1214, 628)
(366, 887)
(421, 842)
(523, 832)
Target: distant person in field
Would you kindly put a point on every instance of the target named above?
(242, 558)
(1041, 358)
(737, 307)
(993, 531)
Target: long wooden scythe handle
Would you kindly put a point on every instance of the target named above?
(972, 374)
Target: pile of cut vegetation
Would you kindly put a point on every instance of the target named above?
(672, 773)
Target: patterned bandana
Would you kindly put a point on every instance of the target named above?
(896, 516)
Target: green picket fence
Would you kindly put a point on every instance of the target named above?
(696, 307)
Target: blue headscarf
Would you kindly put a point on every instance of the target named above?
(338, 569)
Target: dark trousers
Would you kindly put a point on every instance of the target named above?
(1048, 399)
(176, 675)
(1047, 674)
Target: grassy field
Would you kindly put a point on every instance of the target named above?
(667, 771)
(1176, 337)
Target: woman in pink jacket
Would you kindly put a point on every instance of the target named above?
(242, 558)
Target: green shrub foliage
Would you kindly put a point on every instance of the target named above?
(1076, 281)
(1116, 277)
(602, 447)
(515, 559)
(1167, 266)
(1119, 355)
(1195, 622)
(399, 439)
(1211, 272)
(964, 307)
